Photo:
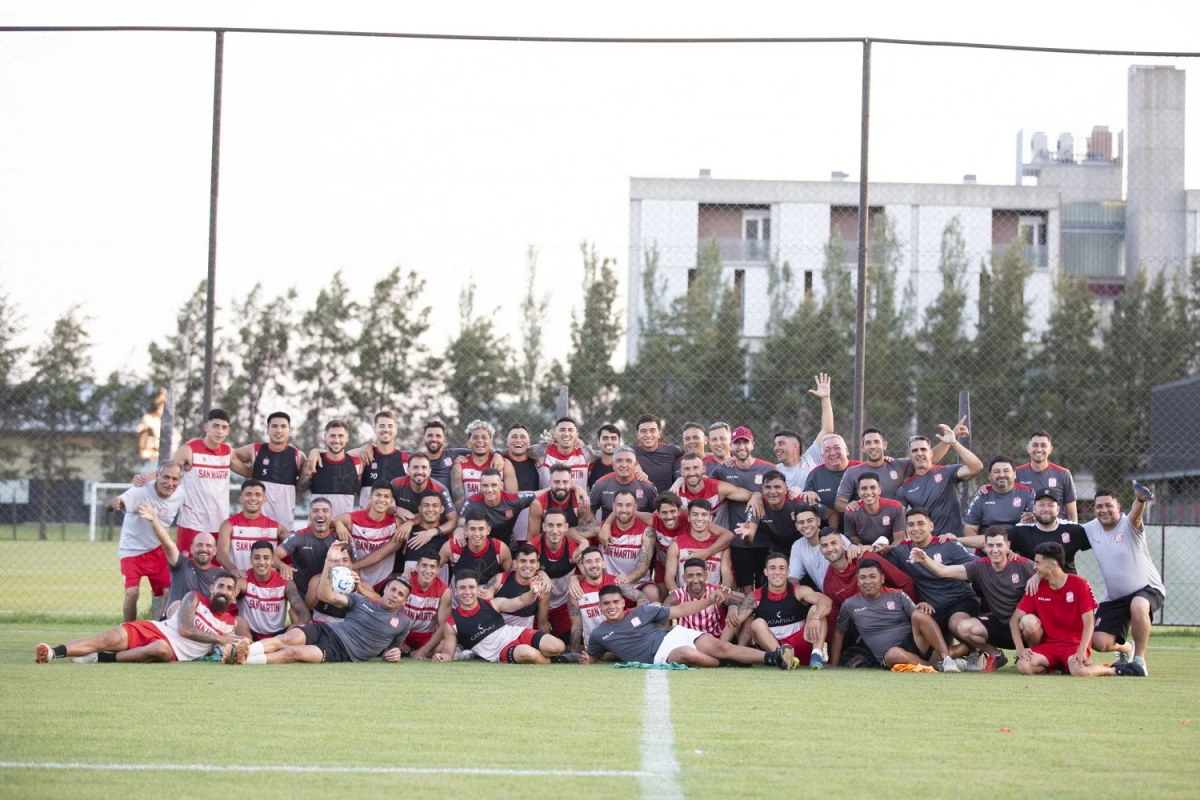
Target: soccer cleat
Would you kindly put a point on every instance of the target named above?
(463, 655)
(948, 664)
(976, 661)
(816, 660)
(90, 658)
(787, 657)
(993, 663)
(856, 661)
(565, 658)
(1130, 670)
(43, 654)
(1141, 662)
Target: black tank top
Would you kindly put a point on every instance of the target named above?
(335, 477)
(384, 467)
(509, 587)
(555, 567)
(272, 467)
(528, 479)
(787, 610)
(598, 471)
(474, 628)
(485, 565)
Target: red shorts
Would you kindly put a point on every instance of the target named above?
(152, 565)
(144, 632)
(418, 639)
(803, 649)
(660, 572)
(560, 621)
(1057, 654)
(528, 636)
(258, 637)
(184, 537)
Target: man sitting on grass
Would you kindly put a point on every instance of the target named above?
(191, 633)
(478, 626)
(639, 637)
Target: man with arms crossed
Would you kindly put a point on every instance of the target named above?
(141, 552)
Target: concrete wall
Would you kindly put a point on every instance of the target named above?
(1155, 216)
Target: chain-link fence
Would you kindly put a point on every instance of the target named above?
(1052, 276)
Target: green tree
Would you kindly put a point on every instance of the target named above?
(391, 369)
(533, 315)
(891, 351)
(595, 332)
(177, 365)
(943, 349)
(480, 373)
(259, 360)
(57, 405)
(324, 358)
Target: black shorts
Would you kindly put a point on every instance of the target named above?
(748, 565)
(1112, 616)
(909, 645)
(968, 606)
(321, 636)
(998, 632)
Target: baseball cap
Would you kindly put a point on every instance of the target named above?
(1045, 493)
(741, 433)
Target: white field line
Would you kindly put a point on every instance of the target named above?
(293, 768)
(659, 778)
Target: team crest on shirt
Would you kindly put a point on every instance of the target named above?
(937, 478)
(895, 477)
(1070, 597)
(1066, 537)
(937, 557)
(1052, 482)
(635, 622)
(1016, 502)
(266, 461)
(758, 478)
(639, 494)
(508, 513)
(1016, 578)
(394, 622)
(1120, 538)
(891, 605)
(374, 465)
(887, 520)
(446, 461)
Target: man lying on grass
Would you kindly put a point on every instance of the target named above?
(639, 637)
(196, 627)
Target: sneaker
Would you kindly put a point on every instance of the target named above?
(1141, 662)
(856, 661)
(976, 661)
(90, 658)
(1130, 670)
(787, 657)
(948, 664)
(238, 652)
(565, 658)
(1142, 493)
(816, 660)
(1119, 657)
(463, 655)
(43, 654)
(993, 663)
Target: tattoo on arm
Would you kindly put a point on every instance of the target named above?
(186, 617)
(630, 593)
(746, 607)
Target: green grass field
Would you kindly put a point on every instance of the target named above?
(737, 733)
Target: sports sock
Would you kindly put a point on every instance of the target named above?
(60, 651)
(256, 649)
(256, 658)
(106, 657)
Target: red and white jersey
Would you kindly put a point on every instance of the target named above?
(206, 488)
(688, 544)
(422, 606)
(472, 472)
(204, 619)
(622, 551)
(665, 536)
(576, 460)
(710, 491)
(589, 604)
(709, 620)
(245, 532)
(368, 535)
(264, 605)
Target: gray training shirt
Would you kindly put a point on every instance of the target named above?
(369, 628)
(635, 638)
(883, 623)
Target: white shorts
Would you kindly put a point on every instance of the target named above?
(678, 636)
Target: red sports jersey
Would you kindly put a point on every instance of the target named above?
(575, 459)
(422, 605)
(264, 604)
(245, 532)
(710, 491)
(472, 473)
(204, 619)
(589, 604)
(621, 552)
(1061, 610)
(710, 620)
(368, 535)
(665, 537)
(689, 544)
(206, 488)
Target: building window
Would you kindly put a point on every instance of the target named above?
(739, 297)
(807, 283)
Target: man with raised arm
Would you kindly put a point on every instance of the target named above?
(794, 464)
(933, 486)
(892, 472)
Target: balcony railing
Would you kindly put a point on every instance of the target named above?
(739, 249)
(1036, 254)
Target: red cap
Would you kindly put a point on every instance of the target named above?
(742, 433)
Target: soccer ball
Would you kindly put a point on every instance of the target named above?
(342, 579)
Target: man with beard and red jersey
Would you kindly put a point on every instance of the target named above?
(381, 459)
(748, 558)
(569, 450)
(1001, 501)
(191, 633)
(268, 597)
(206, 464)
(583, 596)
(710, 619)
(794, 464)
(371, 530)
(280, 467)
(308, 546)
(608, 439)
(933, 486)
(417, 485)
(694, 484)
(655, 457)
(624, 476)
(778, 520)
(628, 546)
(1040, 473)
(563, 496)
(697, 538)
(238, 534)
(821, 487)
(428, 607)
(467, 473)
(557, 555)
(480, 554)
(892, 472)
(780, 613)
(334, 473)
(477, 624)
(841, 577)
(668, 521)
(874, 517)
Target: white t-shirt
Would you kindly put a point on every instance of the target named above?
(810, 460)
(1124, 558)
(137, 535)
(807, 560)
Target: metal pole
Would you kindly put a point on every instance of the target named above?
(562, 402)
(213, 182)
(860, 323)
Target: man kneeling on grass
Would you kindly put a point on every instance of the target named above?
(368, 630)
(639, 637)
(196, 627)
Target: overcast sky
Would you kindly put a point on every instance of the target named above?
(451, 158)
